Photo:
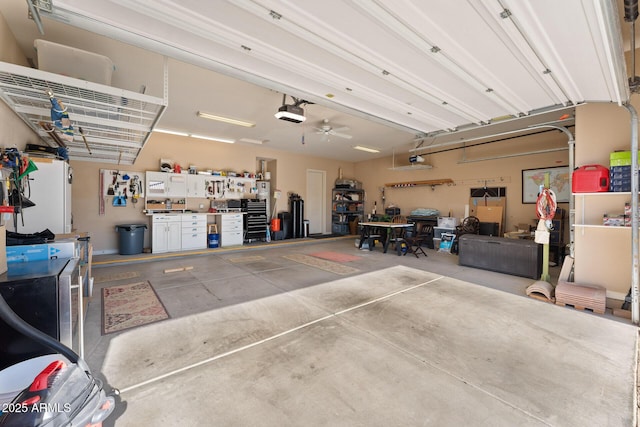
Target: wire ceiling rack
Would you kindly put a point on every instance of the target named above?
(116, 122)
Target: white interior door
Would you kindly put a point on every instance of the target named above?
(316, 203)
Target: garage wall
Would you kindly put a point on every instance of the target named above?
(603, 255)
(450, 163)
(15, 133)
(290, 173)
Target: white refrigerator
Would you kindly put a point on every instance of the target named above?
(50, 190)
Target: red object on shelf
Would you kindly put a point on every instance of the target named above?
(590, 179)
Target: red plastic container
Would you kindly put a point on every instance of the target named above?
(590, 179)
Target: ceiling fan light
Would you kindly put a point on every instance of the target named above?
(225, 119)
(367, 149)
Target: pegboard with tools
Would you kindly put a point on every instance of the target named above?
(120, 188)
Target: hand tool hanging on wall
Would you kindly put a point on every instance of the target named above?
(112, 188)
(119, 200)
(133, 188)
(101, 195)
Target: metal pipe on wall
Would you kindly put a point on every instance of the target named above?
(630, 15)
(572, 200)
(635, 309)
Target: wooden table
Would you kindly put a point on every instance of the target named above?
(387, 230)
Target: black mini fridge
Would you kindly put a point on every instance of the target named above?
(40, 293)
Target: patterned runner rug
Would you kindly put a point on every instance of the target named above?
(129, 306)
(322, 264)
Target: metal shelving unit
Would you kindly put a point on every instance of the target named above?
(116, 122)
(347, 205)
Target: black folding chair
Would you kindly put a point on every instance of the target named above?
(416, 240)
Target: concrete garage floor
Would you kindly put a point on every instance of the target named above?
(403, 341)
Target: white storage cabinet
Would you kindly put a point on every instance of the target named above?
(194, 231)
(164, 184)
(231, 229)
(166, 233)
(197, 185)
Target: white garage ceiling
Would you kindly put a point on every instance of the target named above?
(387, 71)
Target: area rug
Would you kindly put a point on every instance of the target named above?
(129, 306)
(322, 264)
(115, 276)
(335, 256)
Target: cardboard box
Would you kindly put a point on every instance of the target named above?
(620, 158)
(491, 214)
(613, 220)
(41, 252)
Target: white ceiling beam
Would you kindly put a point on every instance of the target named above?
(177, 16)
(375, 66)
(526, 19)
(418, 37)
(611, 51)
(505, 29)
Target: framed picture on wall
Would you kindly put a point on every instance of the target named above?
(533, 182)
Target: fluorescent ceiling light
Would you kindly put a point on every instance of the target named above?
(225, 120)
(213, 138)
(252, 141)
(367, 149)
(171, 132)
(414, 167)
(210, 138)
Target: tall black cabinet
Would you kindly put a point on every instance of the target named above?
(297, 215)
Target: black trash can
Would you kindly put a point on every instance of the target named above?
(285, 224)
(131, 238)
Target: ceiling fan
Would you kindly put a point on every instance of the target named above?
(326, 130)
